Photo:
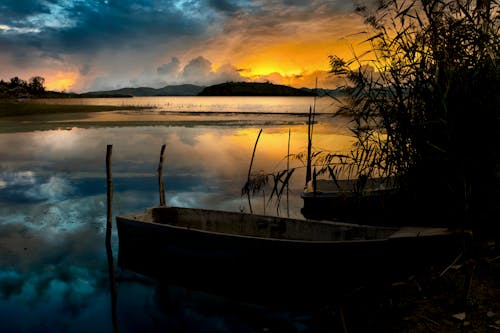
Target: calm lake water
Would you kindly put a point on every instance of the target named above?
(53, 267)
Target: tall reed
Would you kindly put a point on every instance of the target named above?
(425, 103)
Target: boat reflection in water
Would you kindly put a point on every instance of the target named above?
(271, 258)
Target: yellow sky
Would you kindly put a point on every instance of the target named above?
(61, 81)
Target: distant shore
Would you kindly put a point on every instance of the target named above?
(14, 108)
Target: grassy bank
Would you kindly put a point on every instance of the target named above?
(10, 108)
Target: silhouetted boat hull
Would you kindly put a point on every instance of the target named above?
(237, 250)
(376, 201)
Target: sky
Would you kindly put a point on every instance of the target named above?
(89, 45)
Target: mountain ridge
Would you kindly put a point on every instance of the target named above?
(169, 90)
(222, 89)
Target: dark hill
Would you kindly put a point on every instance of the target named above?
(252, 89)
(178, 90)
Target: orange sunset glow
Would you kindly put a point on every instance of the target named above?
(61, 81)
(289, 59)
(298, 63)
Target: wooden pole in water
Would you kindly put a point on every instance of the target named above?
(109, 252)
(109, 182)
(161, 184)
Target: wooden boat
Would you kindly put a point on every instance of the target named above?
(352, 199)
(253, 252)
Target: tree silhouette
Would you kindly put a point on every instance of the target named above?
(18, 87)
(16, 82)
(36, 86)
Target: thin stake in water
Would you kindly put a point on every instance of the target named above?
(109, 182)
(109, 251)
(250, 170)
(161, 184)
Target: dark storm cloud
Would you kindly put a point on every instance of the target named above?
(127, 26)
(260, 24)
(297, 2)
(14, 10)
(223, 5)
(61, 27)
(57, 26)
(275, 17)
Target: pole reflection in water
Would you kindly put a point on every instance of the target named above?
(109, 251)
(112, 287)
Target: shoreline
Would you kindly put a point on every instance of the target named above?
(11, 108)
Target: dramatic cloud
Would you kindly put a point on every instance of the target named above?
(198, 69)
(85, 45)
(171, 68)
(227, 73)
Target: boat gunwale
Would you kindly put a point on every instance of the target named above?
(257, 216)
(232, 235)
(136, 217)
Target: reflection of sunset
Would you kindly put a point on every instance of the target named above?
(272, 147)
(58, 140)
(220, 142)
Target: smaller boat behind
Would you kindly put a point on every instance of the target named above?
(375, 199)
(254, 252)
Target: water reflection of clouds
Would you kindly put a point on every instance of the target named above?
(205, 167)
(53, 208)
(54, 300)
(55, 188)
(27, 186)
(53, 262)
(51, 232)
(17, 178)
(215, 151)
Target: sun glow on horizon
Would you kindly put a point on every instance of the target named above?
(61, 81)
(296, 63)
